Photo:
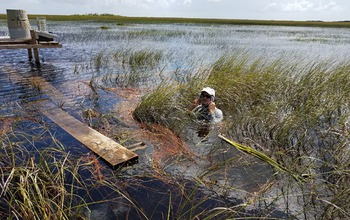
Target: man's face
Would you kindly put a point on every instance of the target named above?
(205, 98)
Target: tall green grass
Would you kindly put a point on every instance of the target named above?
(38, 184)
(145, 58)
(53, 184)
(298, 114)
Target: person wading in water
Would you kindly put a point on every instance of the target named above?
(206, 111)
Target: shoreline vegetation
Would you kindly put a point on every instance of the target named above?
(159, 20)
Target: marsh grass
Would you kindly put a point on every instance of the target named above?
(125, 59)
(161, 101)
(51, 183)
(167, 105)
(124, 68)
(148, 58)
(297, 114)
(38, 185)
(104, 27)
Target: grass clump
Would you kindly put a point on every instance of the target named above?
(38, 185)
(160, 107)
(125, 68)
(145, 57)
(103, 27)
(128, 59)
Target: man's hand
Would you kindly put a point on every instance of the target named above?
(212, 107)
(197, 102)
(194, 104)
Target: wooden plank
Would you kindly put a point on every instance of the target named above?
(112, 152)
(14, 41)
(28, 46)
(8, 43)
(55, 95)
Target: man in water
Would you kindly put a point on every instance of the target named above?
(205, 109)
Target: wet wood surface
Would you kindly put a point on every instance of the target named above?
(112, 152)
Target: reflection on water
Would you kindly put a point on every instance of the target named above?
(203, 130)
(71, 70)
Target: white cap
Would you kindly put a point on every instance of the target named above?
(209, 90)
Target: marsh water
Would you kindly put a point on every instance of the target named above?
(89, 71)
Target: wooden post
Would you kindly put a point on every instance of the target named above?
(35, 50)
(30, 54)
(36, 55)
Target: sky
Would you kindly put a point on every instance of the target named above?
(300, 10)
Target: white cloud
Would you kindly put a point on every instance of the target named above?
(187, 2)
(152, 3)
(331, 6)
(302, 5)
(271, 6)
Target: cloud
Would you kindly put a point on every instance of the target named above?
(303, 6)
(154, 3)
(187, 2)
(331, 6)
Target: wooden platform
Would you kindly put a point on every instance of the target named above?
(112, 152)
(29, 44)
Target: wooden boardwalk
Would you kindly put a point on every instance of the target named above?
(109, 150)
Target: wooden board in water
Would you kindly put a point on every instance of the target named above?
(112, 152)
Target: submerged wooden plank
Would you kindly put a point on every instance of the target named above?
(112, 152)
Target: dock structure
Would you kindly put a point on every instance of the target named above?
(106, 148)
(32, 45)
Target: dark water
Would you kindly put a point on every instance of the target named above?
(184, 47)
